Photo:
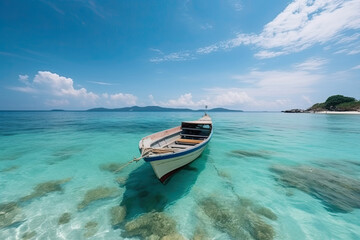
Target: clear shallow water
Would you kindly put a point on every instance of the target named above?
(262, 176)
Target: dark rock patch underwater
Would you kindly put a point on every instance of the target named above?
(337, 192)
(152, 224)
(91, 229)
(9, 169)
(10, 214)
(44, 188)
(250, 154)
(64, 218)
(111, 167)
(96, 194)
(11, 156)
(64, 154)
(240, 219)
(117, 215)
(28, 235)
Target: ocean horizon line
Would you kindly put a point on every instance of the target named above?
(64, 110)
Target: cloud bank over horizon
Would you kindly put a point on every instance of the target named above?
(59, 91)
(265, 90)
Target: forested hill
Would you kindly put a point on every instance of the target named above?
(337, 103)
(158, 109)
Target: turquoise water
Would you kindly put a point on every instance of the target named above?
(262, 176)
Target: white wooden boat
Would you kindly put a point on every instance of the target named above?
(167, 151)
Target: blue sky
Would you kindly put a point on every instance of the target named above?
(238, 54)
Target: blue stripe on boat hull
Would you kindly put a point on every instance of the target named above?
(167, 156)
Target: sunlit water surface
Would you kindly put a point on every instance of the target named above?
(262, 176)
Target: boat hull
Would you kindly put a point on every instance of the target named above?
(170, 164)
(169, 150)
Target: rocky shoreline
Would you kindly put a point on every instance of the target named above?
(339, 112)
(295, 111)
(322, 112)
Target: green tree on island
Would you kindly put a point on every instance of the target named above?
(335, 100)
(337, 103)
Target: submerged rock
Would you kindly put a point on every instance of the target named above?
(9, 169)
(118, 214)
(121, 181)
(337, 192)
(265, 212)
(200, 234)
(153, 237)
(257, 228)
(11, 156)
(239, 219)
(111, 167)
(224, 174)
(28, 235)
(357, 164)
(43, 189)
(153, 223)
(64, 218)
(222, 218)
(66, 153)
(244, 153)
(173, 236)
(10, 214)
(96, 194)
(91, 229)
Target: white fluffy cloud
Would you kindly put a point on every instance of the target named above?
(60, 91)
(279, 89)
(61, 86)
(152, 100)
(178, 56)
(228, 97)
(302, 24)
(356, 67)
(312, 64)
(281, 83)
(24, 79)
(185, 100)
(272, 90)
(214, 98)
(57, 102)
(24, 89)
(126, 98)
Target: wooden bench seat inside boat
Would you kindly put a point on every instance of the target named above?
(188, 141)
(192, 135)
(180, 146)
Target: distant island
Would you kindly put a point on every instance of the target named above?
(335, 103)
(158, 109)
(57, 110)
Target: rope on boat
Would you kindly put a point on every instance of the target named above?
(146, 152)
